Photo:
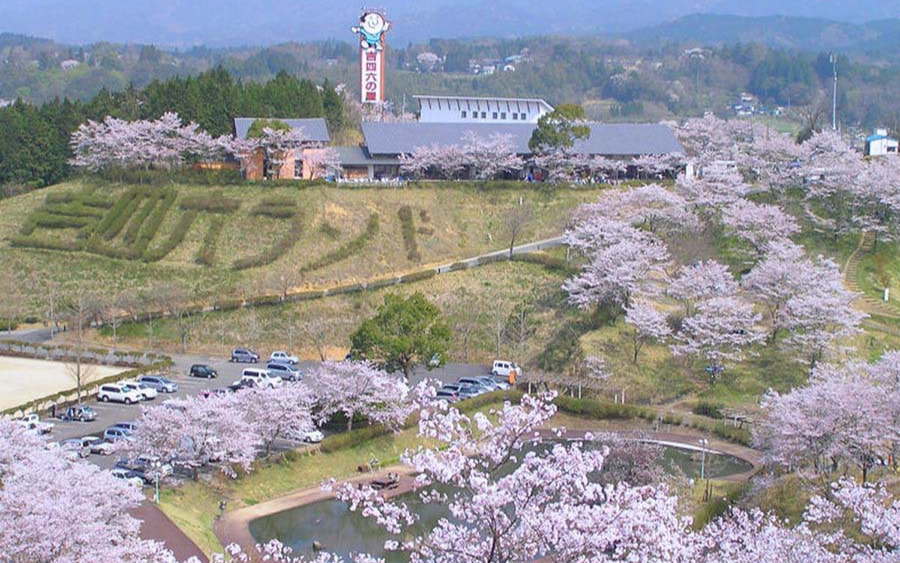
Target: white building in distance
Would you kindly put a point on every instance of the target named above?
(880, 144)
(467, 109)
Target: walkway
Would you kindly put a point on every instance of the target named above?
(156, 526)
(866, 303)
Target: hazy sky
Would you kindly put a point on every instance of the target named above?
(235, 22)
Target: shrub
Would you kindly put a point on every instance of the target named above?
(456, 266)
(119, 214)
(306, 295)
(276, 251)
(134, 227)
(175, 238)
(53, 221)
(154, 222)
(44, 243)
(349, 249)
(352, 438)
(206, 256)
(712, 410)
(383, 282)
(427, 231)
(352, 288)
(408, 229)
(74, 209)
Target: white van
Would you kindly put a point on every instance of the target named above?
(503, 368)
(261, 378)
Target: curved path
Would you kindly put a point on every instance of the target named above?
(234, 527)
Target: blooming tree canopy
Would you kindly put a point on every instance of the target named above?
(699, 281)
(648, 324)
(720, 330)
(758, 224)
(58, 511)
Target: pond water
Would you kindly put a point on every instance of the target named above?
(340, 531)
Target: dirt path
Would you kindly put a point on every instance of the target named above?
(156, 526)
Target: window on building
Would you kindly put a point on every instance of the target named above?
(502, 115)
(515, 116)
(464, 114)
(484, 115)
(495, 115)
(523, 118)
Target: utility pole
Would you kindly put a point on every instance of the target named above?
(833, 59)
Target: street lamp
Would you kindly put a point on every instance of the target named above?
(156, 467)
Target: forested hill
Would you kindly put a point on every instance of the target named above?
(807, 34)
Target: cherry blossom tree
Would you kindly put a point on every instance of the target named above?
(620, 260)
(160, 143)
(280, 146)
(872, 507)
(648, 324)
(720, 331)
(758, 224)
(358, 388)
(276, 413)
(842, 414)
(652, 207)
(320, 161)
(514, 499)
(58, 511)
(193, 430)
(718, 186)
(448, 161)
(699, 281)
(491, 156)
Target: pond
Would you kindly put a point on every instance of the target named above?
(340, 531)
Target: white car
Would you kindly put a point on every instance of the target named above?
(97, 445)
(120, 393)
(312, 437)
(147, 392)
(260, 378)
(282, 357)
(33, 422)
(503, 368)
(128, 476)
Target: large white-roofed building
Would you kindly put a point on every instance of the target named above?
(470, 109)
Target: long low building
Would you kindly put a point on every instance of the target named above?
(384, 143)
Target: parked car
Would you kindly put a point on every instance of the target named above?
(477, 383)
(203, 370)
(241, 384)
(32, 421)
(312, 437)
(116, 434)
(261, 378)
(282, 357)
(448, 396)
(147, 392)
(130, 426)
(285, 371)
(119, 393)
(244, 355)
(503, 368)
(73, 449)
(469, 391)
(218, 392)
(146, 467)
(488, 380)
(81, 413)
(128, 476)
(97, 445)
(161, 383)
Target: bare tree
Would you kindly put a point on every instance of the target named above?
(468, 317)
(520, 327)
(175, 301)
(499, 320)
(320, 332)
(515, 221)
(78, 311)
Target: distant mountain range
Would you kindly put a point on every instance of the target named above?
(255, 22)
(808, 34)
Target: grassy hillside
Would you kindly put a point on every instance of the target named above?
(249, 240)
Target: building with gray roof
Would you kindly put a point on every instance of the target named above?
(314, 128)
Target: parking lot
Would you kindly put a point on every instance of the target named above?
(112, 413)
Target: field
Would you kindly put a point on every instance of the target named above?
(23, 380)
(250, 240)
